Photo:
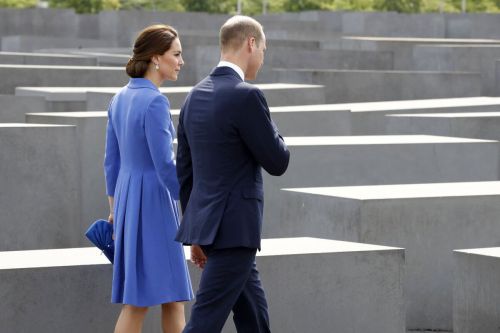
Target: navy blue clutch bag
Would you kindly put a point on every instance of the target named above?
(100, 233)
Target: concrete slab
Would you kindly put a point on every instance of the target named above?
(480, 125)
(287, 57)
(378, 160)
(344, 86)
(29, 58)
(39, 181)
(402, 47)
(370, 118)
(39, 21)
(311, 121)
(305, 120)
(476, 290)
(347, 286)
(24, 43)
(472, 25)
(97, 98)
(69, 76)
(90, 143)
(106, 56)
(472, 58)
(497, 73)
(13, 108)
(428, 220)
(392, 24)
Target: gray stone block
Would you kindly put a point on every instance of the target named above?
(95, 98)
(377, 160)
(402, 47)
(23, 43)
(45, 59)
(309, 120)
(123, 26)
(39, 22)
(305, 120)
(344, 86)
(66, 76)
(287, 57)
(88, 26)
(497, 81)
(476, 290)
(472, 58)
(72, 76)
(472, 25)
(39, 182)
(105, 56)
(393, 24)
(90, 140)
(346, 286)
(428, 220)
(479, 125)
(370, 118)
(13, 108)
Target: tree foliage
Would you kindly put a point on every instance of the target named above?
(255, 7)
(86, 6)
(18, 3)
(400, 6)
(220, 6)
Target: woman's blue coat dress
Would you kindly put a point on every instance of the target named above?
(149, 266)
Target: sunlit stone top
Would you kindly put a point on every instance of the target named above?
(93, 256)
(405, 191)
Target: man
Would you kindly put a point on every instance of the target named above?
(225, 137)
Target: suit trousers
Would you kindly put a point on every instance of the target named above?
(229, 281)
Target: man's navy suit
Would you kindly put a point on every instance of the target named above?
(225, 137)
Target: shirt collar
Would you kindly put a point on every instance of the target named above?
(235, 67)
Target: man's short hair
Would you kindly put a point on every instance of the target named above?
(237, 29)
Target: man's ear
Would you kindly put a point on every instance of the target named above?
(251, 43)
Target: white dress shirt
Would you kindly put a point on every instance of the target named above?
(236, 68)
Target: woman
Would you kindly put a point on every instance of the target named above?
(141, 180)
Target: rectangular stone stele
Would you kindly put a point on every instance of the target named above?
(346, 287)
(476, 290)
(378, 160)
(71, 76)
(346, 86)
(479, 125)
(91, 134)
(98, 98)
(31, 58)
(39, 176)
(369, 118)
(428, 220)
(305, 120)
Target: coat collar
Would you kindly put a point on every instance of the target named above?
(135, 83)
(223, 70)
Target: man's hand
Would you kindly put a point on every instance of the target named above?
(198, 257)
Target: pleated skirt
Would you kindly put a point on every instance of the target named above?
(149, 265)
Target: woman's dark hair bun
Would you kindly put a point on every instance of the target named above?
(153, 40)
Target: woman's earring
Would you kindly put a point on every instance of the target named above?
(157, 67)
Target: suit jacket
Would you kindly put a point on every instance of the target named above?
(225, 136)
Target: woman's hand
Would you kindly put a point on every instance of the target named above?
(111, 219)
(198, 257)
